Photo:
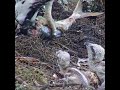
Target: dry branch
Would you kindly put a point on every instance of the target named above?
(66, 48)
(56, 85)
(21, 81)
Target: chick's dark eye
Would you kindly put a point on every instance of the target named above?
(23, 2)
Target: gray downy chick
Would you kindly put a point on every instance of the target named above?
(95, 51)
(96, 54)
(63, 60)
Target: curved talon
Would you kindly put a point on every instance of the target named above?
(57, 33)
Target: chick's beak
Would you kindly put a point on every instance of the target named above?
(86, 43)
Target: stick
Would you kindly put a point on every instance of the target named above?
(56, 85)
(67, 48)
(18, 53)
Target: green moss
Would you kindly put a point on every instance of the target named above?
(29, 74)
(19, 86)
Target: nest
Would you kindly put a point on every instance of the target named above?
(86, 29)
(71, 41)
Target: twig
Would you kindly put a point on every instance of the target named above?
(20, 81)
(24, 84)
(18, 53)
(76, 31)
(66, 48)
(74, 64)
(36, 83)
(56, 85)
